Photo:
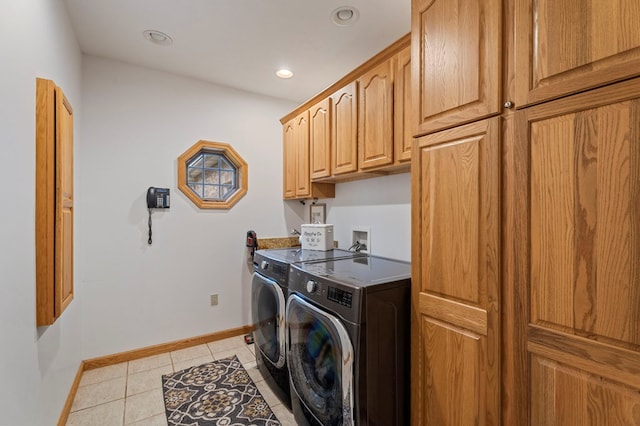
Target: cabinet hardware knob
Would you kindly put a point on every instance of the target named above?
(508, 104)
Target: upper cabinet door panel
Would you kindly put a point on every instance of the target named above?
(289, 159)
(301, 133)
(320, 139)
(402, 106)
(375, 131)
(456, 62)
(566, 46)
(344, 133)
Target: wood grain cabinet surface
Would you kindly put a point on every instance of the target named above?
(320, 139)
(456, 62)
(344, 132)
(402, 113)
(375, 121)
(564, 47)
(296, 160)
(455, 296)
(54, 202)
(578, 167)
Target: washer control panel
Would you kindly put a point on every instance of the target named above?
(345, 298)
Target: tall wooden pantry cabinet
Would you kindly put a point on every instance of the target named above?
(526, 212)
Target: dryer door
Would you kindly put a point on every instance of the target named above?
(320, 359)
(267, 310)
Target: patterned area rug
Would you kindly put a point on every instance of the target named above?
(218, 393)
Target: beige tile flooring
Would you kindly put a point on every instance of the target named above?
(130, 393)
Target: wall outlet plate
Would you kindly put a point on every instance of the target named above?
(214, 299)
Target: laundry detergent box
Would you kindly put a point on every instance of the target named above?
(317, 236)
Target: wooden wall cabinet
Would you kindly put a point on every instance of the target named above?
(568, 46)
(320, 139)
(296, 176)
(54, 202)
(455, 276)
(456, 62)
(344, 132)
(359, 127)
(375, 120)
(574, 193)
(402, 113)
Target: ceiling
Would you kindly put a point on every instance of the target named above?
(241, 43)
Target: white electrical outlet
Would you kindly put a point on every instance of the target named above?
(214, 299)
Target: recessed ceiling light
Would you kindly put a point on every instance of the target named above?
(284, 73)
(345, 16)
(157, 37)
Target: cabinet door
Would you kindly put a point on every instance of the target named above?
(455, 276)
(54, 202)
(344, 132)
(320, 139)
(456, 62)
(375, 123)
(64, 203)
(567, 46)
(301, 136)
(578, 238)
(289, 160)
(402, 129)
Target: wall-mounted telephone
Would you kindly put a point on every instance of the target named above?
(158, 198)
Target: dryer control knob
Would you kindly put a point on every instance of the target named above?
(264, 265)
(312, 286)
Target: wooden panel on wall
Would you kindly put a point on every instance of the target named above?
(453, 366)
(344, 137)
(585, 193)
(569, 396)
(402, 122)
(578, 166)
(375, 121)
(456, 62)
(320, 139)
(452, 214)
(455, 276)
(573, 46)
(289, 160)
(301, 136)
(54, 202)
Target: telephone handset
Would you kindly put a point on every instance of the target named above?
(157, 198)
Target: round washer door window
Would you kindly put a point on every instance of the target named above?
(268, 313)
(320, 361)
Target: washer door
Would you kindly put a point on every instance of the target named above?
(320, 360)
(268, 311)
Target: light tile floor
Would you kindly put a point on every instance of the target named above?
(131, 393)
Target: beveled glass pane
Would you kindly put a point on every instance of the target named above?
(211, 192)
(211, 176)
(194, 175)
(227, 177)
(212, 160)
(196, 188)
(196, 161)
(226, 165)
(226, 191)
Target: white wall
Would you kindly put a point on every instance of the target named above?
(131, 124)
(383, 205)
(136, 123)
(37, 365)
